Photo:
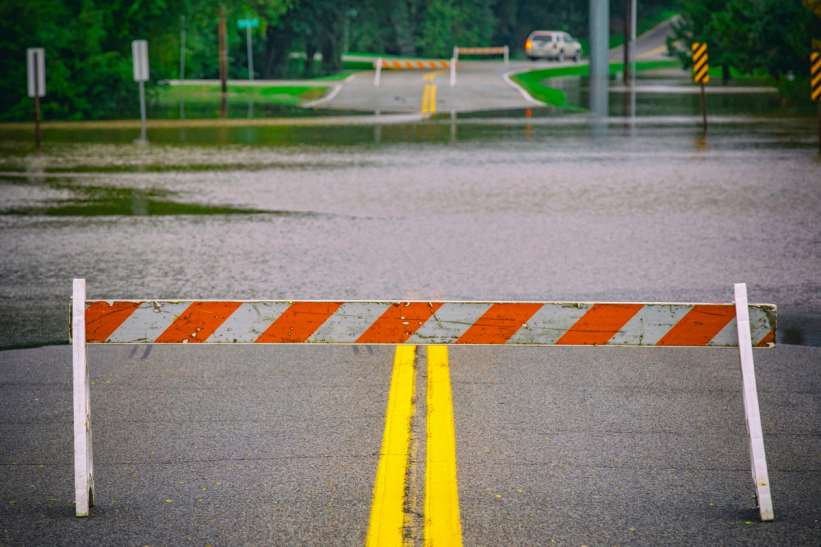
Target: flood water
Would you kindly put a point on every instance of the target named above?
(503, 205)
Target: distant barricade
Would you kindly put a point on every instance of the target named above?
(504, 50)
(408, 64)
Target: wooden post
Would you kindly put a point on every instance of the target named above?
(758, 458)
(223, 46)
(83, 455)
(36, 115)
(627, 11)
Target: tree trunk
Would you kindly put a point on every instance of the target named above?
(725, 74)
(331, 58)
(277, 41)
(310, 51)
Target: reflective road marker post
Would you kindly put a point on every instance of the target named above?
(700, 74)
(815, 87)
(83, 457)
(36, 61)
(139, 53)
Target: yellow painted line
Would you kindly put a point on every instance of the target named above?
(432, 99)
(652, 52)
(388, 508)
(425, 99)
(431, 75)
(442, 526)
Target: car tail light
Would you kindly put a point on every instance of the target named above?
(528, 44)
(555, 45)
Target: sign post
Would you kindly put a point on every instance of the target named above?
(700, 74)
(36, 58)
(248, 24)
(815, 87)
(182, 69)
(139, 52)
(223, 59)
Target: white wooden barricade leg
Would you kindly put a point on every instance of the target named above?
(507, 54)
(83, 457)
(378, 71)
(758, 459)
(453, 72)
(455, 52)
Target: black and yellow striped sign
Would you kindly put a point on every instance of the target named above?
(815, 76)
(700, 66)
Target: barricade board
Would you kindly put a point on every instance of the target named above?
(421, 63)
(420, 323)
(737, 325)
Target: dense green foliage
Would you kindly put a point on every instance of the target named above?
(748, 35)
(88, 42)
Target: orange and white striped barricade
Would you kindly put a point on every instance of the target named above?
(503, 50)
(406, 64)
(737, 325)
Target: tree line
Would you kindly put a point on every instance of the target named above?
(88, 42)
(775, 37)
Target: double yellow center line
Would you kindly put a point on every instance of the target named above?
(388, 521)
(429, 95)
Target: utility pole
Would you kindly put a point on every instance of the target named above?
(223, 52)
(182, 69)
(599, 63)
(36, 61)
(628, 10)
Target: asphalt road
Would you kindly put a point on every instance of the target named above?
(479, 86)
(279, 445)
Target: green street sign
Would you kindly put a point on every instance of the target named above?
(248, 23)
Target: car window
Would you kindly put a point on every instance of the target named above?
(543, 39)
(567, 38)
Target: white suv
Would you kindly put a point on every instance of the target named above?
(552, 45)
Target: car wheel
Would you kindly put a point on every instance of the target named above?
(577, 57)
(560, 58)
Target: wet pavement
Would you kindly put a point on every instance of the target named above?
(515, 205)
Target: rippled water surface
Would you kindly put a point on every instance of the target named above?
(541, 209)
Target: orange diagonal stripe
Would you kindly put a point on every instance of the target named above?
(103, 319)
(197, 322)
(695, 46)
(499, 323)
(398, 323)
(699, 326)
(599, 324)
(298, 322)
(768, 338)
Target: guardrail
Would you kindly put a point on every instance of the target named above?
(504, 50)
(737, 325)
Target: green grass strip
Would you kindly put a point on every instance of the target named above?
(532, 81)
